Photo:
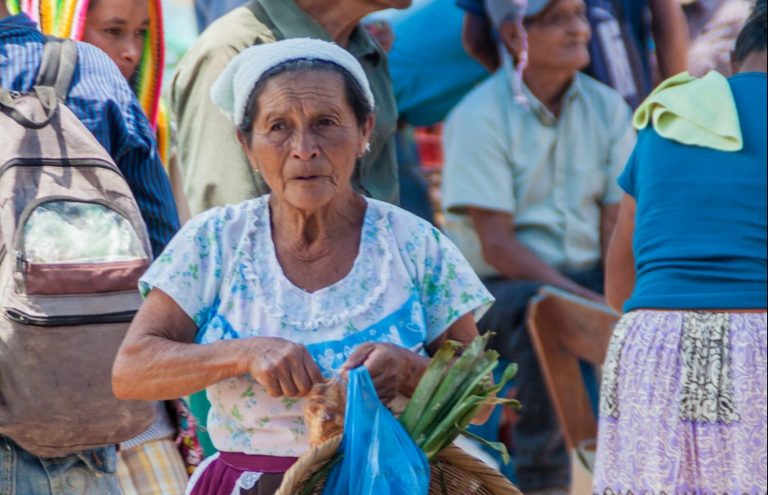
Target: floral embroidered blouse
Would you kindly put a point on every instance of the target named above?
(407, 285)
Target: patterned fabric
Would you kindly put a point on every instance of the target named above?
(684, 405)
(104, 103)
(707, 385)
(187, 440)
(407, 285)
(151, 468)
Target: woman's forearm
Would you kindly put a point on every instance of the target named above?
(155, 368)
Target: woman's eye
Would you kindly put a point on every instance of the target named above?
(112, 31)
(277, 126)
(326, 122)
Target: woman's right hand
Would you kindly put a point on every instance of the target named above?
(282, 367)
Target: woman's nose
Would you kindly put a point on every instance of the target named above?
(131, 52)
(304, 146)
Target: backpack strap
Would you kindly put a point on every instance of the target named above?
(57, 66)
(52, 85)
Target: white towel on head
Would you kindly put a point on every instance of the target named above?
(233, 87)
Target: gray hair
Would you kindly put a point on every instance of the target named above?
(354, 93)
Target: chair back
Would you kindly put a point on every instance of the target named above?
(565, 328)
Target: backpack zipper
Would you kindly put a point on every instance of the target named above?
(63, 162)
(69, 320)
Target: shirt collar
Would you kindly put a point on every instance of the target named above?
(545, 116)
(293, 22)
(18, 22)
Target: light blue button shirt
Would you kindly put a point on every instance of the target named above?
(552, 173)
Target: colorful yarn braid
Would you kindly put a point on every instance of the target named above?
(66, 19)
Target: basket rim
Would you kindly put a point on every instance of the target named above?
(315, 458)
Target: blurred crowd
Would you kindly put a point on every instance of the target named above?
(612, 149)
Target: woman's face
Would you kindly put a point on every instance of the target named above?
(119, 28)
(306, 138)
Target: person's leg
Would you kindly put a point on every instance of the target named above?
(20, 471)
(90, 472)
(540, 456)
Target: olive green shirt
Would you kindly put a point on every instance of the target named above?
(216, 171)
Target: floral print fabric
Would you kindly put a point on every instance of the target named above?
(407, 285)
(683, 405)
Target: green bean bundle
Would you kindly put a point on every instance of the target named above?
(451, 392)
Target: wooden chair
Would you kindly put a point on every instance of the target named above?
(565, 328)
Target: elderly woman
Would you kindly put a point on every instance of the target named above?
(206, 137)
(684, 385)
(259, 301)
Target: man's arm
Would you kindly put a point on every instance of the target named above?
(620, 262)
(670, 34)
(511, 258)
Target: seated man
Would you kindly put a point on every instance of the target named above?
(530, 197)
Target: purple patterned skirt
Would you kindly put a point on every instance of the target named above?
(234, 473)
(683, 405)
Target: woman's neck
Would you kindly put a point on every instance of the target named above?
(309, 235)
(548, 86)
(339, 19)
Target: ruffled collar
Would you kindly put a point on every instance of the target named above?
(336, 304)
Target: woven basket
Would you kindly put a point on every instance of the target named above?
(454, 472)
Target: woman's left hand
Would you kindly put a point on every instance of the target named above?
(392, 368)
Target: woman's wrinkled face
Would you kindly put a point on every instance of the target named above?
(119, 28)
(306, 138)
(558, 37)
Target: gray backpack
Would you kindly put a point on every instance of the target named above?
(72, 247)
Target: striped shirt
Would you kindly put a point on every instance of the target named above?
(101, 98)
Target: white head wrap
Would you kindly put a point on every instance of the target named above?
(233, 87)
(501, 10)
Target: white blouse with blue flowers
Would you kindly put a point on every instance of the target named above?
(407, 285)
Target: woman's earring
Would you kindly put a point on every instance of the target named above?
(366, 149)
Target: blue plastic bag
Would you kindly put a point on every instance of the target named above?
(379, 457)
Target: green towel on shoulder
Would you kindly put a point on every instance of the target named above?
(698, 112)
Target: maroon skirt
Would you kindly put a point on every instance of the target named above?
(235, 473)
